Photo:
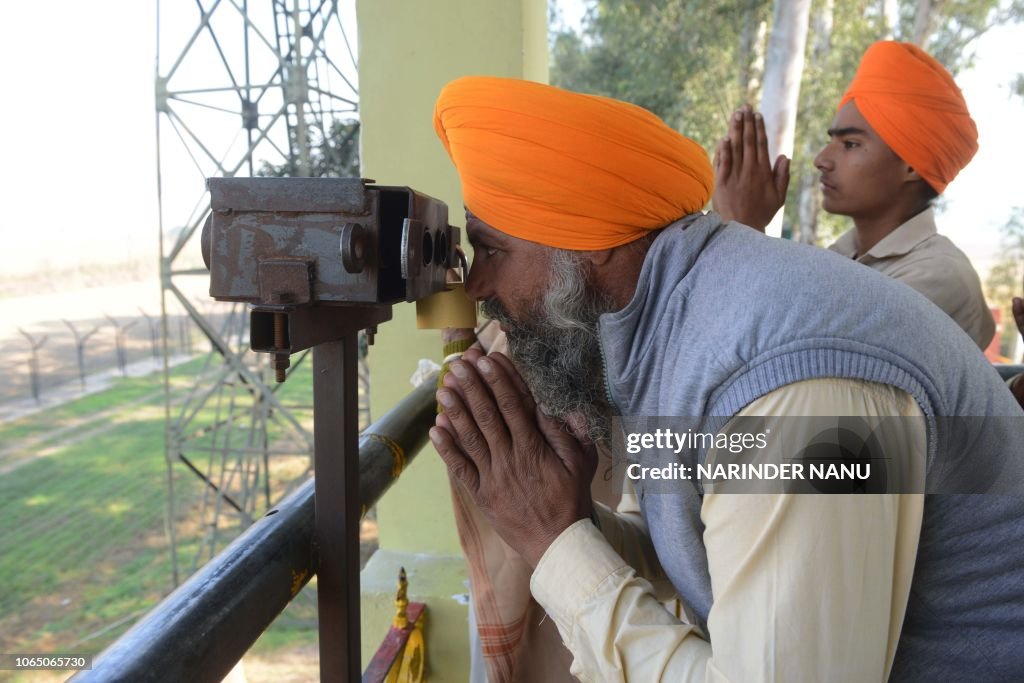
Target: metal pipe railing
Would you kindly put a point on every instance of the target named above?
(201, 630)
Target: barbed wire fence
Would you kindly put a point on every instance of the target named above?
(54, 358)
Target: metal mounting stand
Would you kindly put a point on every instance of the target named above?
(334, 335)
(320, 259)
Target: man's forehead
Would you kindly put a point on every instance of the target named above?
(849, 118)
(476, 229)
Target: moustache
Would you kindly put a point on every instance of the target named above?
(493, 309)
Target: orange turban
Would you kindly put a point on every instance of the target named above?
(913, 104)
(567, 170)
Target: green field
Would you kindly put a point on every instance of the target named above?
(84, 548)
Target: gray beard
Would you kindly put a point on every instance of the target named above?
(556, 348)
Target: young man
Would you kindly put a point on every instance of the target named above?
(591, 251)
(901, 134)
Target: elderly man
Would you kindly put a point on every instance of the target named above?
(901, 134)
(591, 251)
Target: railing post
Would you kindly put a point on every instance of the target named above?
(335, 436)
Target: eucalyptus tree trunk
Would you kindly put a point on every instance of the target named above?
(926, 16)
(810, 199)
(752, 44)
(890, 12)
(784, 67)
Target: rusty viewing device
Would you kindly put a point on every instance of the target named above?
(293, 247)
(320, 259)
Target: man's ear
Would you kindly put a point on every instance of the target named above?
(615, 271)
(911, 176)
(600, 257)
(925, 190)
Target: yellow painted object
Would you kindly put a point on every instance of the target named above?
(410, 666)
(401, 601)
(446, 309)
(398, 458)
(415, 655)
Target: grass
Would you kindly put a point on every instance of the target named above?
(83, 547)
(125, 391)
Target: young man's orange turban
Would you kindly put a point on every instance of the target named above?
(913, 104)
(567, 170)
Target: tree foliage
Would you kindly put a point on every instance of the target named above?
(952, 27)
(334, 154)
(681, 59)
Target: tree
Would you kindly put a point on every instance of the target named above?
(889, 10)
(689, 62)
(948, 29)
(808, 206)
(839, 34)
(334, 154)
(783, 72)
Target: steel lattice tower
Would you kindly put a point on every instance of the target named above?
(242, 88)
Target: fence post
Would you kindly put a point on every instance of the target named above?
(154, 333)
(80, 340)
(33, 363)
(122, 354)
(185, 335)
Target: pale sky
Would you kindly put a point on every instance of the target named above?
(77, 135)
(76, 132)
(983, 196)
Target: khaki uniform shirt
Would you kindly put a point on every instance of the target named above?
(917, 255)
(807, 587)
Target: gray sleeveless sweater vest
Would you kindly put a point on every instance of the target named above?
(723, 315)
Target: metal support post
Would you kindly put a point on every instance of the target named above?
(80, 340)
(33, 362)
(336, 448)
(119, 337)
(154, 333)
